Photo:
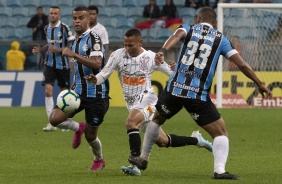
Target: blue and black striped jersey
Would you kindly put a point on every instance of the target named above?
(197, 61)
(58, 36)
(89, 44)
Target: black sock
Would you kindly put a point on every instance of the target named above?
(134, 142)
(179, 141)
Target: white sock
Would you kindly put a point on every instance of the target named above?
(220, 152)
(150, 137)
(96, 147)
(49, 105)
(69, 124)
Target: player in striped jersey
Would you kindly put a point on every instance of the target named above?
(135, 66)
(190, 83)
(56, 66)
(87, 53)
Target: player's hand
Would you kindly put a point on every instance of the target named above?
(91, 78)
(172, 65)
(67, 52)
(159, 58)
(35, 50)
(265, 92)
(52, 48)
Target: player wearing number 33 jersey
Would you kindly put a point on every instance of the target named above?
(197, 61)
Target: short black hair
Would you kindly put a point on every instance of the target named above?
(56, 7)
(39, 7)
(133, 32)
(80, 8)
(92, 7)
(207, 14)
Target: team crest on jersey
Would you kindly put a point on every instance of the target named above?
(96, 46)
(85, 48)
(59, 34)
(144, 63)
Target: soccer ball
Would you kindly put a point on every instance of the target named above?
(68, 101)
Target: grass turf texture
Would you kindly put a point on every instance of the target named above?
(29, 155)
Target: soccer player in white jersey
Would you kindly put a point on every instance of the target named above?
(135, 66)
(98, 28)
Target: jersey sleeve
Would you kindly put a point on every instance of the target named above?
(105, 37)
(226, 48)
(108, 69)
(164, 68)
(95, 45)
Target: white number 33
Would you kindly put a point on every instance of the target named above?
(201, 61)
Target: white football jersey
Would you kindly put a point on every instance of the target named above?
(100, 30)
(134, 72)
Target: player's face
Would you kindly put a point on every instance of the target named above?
(93, 16)
(80, 21)
(54, 15)
(132, 45)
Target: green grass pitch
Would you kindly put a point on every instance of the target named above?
(29, 155)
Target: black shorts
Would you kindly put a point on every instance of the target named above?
(95, 110)
(202, 112)
(51, 74)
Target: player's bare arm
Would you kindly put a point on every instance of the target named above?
(53, 48)
(94, 62)
(178, 35)
(36, 50)
(248, 71)
(91, 78)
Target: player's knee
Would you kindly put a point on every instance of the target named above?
(130, 124)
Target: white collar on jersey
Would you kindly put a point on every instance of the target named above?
(207, 24)
(86, 32)
(57, 25)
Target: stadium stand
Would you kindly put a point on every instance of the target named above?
(113, 14)
(105, 12)
(111, 23)
(15, 3)
(80, 3)
(135, 12)
(10, 23)
(46, 4)
(143, 3)
(125, 23)
(63, 4)
(3, 3)
(66, 12)
(19, 12)
(119, 12)
(26, 34)
(5, 12)
(115, 35)
(98, 3)
(22, 21)
(114, 4)
(179, 3)
(130, 3)
(14, 34)
(163, 34)
(2, 34)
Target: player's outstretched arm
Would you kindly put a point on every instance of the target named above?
(91, 78)
(248, 71)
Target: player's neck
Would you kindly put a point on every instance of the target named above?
(53, 24)
(91, 25)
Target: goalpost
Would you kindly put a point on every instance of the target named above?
(257, 28)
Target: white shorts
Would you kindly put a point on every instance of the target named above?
(145, 102)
